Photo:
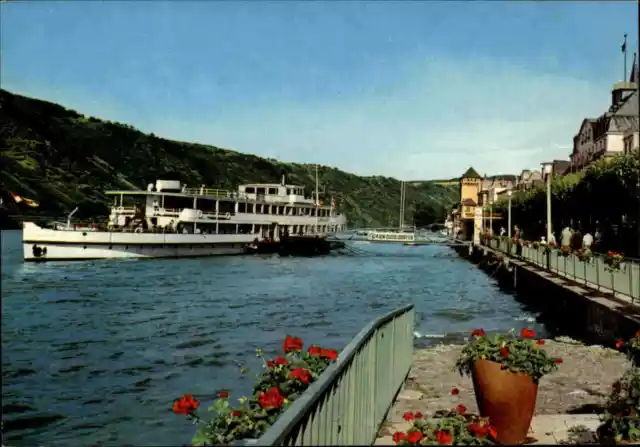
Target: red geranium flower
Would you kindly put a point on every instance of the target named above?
(493, 433)
(619, 344)
(527, 333)
(292, 344)
(281, 361)
(271, 364)
(398, 436)
(418, 415)
(414, 437)
(301, 374)
(455, 391)
(558, 361)
(478, 333)
(185, 405)
(444, 437)
(330, 354)
(236, 413)
(540, 341)
(504, 352)
(478, 430)
(315, 351)
(271, 398)
(408, 416)
(461, 409)
(223, 394)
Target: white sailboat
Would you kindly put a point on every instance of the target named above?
(402, 235)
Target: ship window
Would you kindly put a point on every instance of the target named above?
(288, 191)
(242, 207)
(273, 191)
(250, 190)
(260, 190)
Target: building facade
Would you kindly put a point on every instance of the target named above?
(605, 136)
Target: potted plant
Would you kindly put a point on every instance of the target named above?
(447, 427)
(613, 260)
(584, 254)
(621, 418)
(549, 246)
(565, 250)
(282, 380)
(505, 371)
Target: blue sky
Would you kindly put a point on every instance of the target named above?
(414, 90)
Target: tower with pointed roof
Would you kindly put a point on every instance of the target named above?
(470, 186)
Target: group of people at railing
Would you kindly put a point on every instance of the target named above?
(572, 242)
(574, 239)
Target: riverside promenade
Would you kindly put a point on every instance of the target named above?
(594, 297)
(568, 403)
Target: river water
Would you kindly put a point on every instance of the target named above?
(95, 352)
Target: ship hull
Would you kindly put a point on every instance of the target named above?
(41, 244)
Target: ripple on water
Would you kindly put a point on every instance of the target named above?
(96, 352)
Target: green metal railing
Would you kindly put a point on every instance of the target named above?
(350, 400)
(594, 273)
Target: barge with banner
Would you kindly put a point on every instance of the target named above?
(169, 220)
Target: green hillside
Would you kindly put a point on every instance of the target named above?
(62, 158)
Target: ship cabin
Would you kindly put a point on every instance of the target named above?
(169, 205)
(392, 236)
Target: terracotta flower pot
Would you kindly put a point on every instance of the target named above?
(508, 399)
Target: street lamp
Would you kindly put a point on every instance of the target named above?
(509, 193)
(491, 215)
(546, 170)
(484, 204)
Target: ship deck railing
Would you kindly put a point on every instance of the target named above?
(351, 399)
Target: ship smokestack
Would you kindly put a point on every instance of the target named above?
(283, 173)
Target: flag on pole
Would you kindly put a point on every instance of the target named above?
(623, 48)
(634, 69)
(19, 199)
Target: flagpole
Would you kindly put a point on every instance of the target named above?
(637, 68)
(624, 52)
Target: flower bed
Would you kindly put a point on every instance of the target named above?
(282, 380)
(446, 428)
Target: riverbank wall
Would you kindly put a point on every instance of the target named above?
(563, 305)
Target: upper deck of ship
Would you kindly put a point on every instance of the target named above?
(253, 192)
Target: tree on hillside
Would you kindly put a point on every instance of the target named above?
(428, 213)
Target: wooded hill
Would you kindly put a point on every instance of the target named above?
(62, 158)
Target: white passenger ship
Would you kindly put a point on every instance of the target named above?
(171, 220)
